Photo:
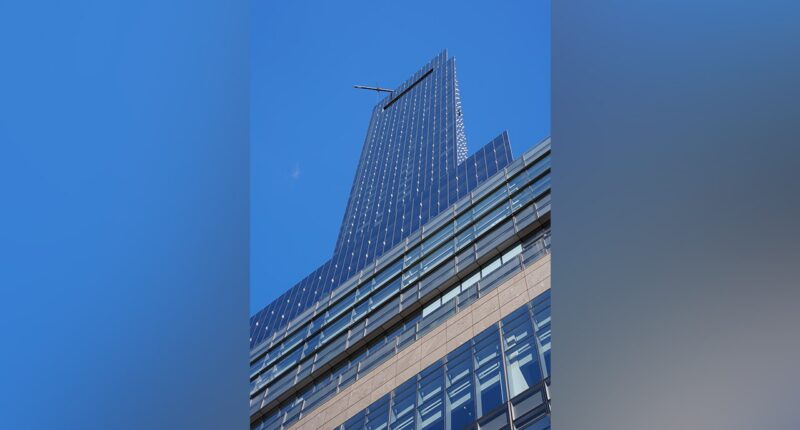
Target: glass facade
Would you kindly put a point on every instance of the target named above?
(368, 307)
(417, 325)
(413, 166)
(498, 379)
(427, 231)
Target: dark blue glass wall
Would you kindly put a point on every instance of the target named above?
(413, 165)
(412, 141)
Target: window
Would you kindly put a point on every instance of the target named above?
(460, 403)
(489, 201)
(403, 406)
(287, 362)
(542, 424)
(336, 327)
(492, 219)
(410, 275)
(431, 407)
(378, 415)
(355, 423)
(489, 373)
(436, 239)
(513, 252)
(427, 310)
(521, 355)
(384, 293)
(294, 339)
(466, 237)
(451, 294)
(388, 273)
(491, 267)
(340, 307)
(472, 280)
(437, 256)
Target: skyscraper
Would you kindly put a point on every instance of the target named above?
(386, 333)
(413, 165)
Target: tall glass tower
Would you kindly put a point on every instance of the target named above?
(413, 166)
(434, 310)
(415, 142)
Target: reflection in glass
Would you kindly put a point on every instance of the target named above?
(489, 372)
(431, 413)
(460, 403)
(521, 356)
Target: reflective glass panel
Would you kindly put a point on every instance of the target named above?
(521, 355)
(431, 406)
(489, 373)
(460, 402)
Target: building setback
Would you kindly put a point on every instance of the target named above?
(433, 312)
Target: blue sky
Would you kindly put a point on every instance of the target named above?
(308, 123)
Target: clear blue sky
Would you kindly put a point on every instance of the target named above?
(308, 123)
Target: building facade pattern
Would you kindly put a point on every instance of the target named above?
(428, 233)
(413, 165)
(397, 304)
(498, 377)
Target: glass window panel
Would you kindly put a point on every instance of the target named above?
(522, 198)
(440, 254)
(411, 256)
(518, 181)
(489, 373)
(486, 203)
(258, 365)
(472, 280)
(538, 167)
(544, 341)
(384, 293)
(431, 307)
(411, 275)
(294, 339)
(289, 361)
(542, 316)
(499, 421)
(521, 356)
(467, 296)
(528, 403)
(293, 413)
(460, 403)
(403, 407)
(463, 219)
(406, 336)
(539, 186)
(349, 375)
(335, 328)
(333, 347)
(355, 423)
(378, 414)
(437, 238)
(543, 203)
(491, 267)
(311, 345)
(541, 424)
(389, 272)
(492, 219)
(465, 237)
(451, 294)
(431, 405)
(512, 253)
(340, 307)
(361, 309)
(272, 422)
